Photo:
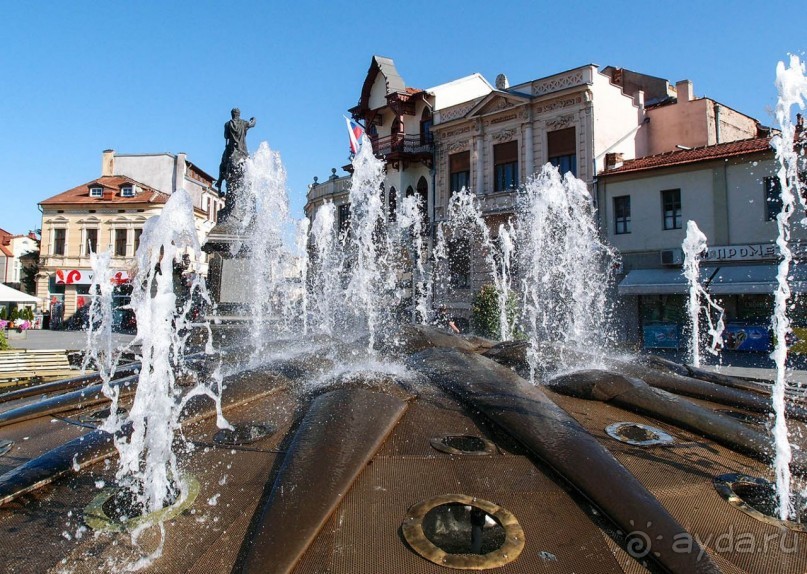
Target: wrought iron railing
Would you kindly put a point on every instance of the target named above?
(402, 144)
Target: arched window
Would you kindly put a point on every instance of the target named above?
(423, 198)
(392, 206)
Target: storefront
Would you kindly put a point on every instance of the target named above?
(745, 292)
(69, 290)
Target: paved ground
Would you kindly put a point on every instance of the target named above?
(739, 364)
(755, 365)
(67, 340)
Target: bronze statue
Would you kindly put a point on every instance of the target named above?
(232, 160)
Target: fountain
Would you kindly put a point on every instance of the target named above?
(694, 246)
(360, 438)
(792, 87)
(566, 268)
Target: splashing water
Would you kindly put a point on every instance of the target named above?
(465, 227)
(565, 266)
(791, 85)
(326, 294)
(266, 220)
(148, 466)
(503, 279)
(693, 246)
(408, 231)
(369, 284)
(301, 242)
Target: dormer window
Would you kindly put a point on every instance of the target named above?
(96, 192)
(127, 191)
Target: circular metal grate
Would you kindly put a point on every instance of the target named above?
(5, 446)
(463, 444)
(756, 497)
(99, 515)
(463, 532)
(243, 433)
(100, 415)
(638, 434)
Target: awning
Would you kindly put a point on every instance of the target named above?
(658, 282)
(756, 279)
(9, 295)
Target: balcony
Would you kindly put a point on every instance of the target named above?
(404, 148)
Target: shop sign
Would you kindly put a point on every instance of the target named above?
(84, 277)
(753, 252)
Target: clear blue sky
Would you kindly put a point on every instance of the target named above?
(138, 77)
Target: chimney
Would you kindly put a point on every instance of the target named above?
(180, 167)
(613, 160)
(684, 91)
(108, 162)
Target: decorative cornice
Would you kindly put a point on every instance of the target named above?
(560, 122)
(504, 135)
(557, 83)
(454, 147)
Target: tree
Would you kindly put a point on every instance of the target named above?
(30, 266)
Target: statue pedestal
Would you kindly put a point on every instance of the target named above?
(228, 272)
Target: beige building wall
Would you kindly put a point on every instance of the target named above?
(695, 122)
(76, 222)
(725, 198)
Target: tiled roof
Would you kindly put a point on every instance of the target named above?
(81, 195)
(694, 155)
(413, 91)
(5, 251)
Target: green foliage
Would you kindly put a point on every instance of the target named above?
(485, 312)
(15, 314)
(3, 314)
(28, 314)
(3, 341)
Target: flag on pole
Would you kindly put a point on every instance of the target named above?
(355, 131)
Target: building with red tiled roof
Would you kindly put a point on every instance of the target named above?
(730, 190)
(108, 214)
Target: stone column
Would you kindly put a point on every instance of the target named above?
(479, 163)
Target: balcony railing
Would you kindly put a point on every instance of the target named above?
(403, 145)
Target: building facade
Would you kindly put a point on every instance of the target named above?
(491, 138)
(731, 192)
(18, 254)
(108, 214)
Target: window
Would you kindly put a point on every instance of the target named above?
(459, 169)
(120, 242)
(426, 137)
(773, 197)
(127, 191)
(459, 263)
(393, 204)
(423, 199)
(59, 236)
(91, 242)
(505, 166)
(344, 217)
(671, 208)
(562, 151)
(96, 192)
(622, 214)
(137, 234)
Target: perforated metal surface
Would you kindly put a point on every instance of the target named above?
(364, 536)
(680, 476)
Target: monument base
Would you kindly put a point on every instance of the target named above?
(228, 272)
